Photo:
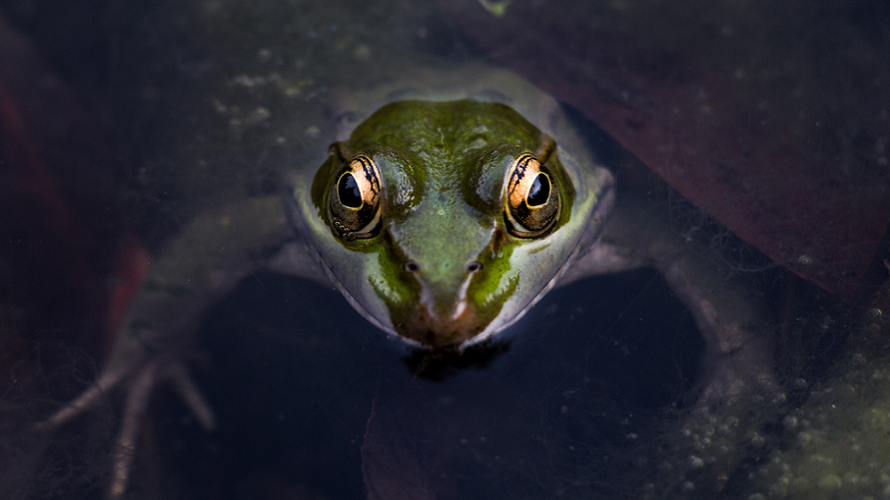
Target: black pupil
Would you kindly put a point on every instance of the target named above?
(350, 196)
(539, 191)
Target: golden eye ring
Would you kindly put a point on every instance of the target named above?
(531, 201)
(355, 203)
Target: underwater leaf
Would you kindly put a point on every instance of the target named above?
(816, 208)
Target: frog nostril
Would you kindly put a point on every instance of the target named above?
(474, 267)
(412, 267)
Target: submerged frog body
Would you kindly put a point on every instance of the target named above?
(444, 210)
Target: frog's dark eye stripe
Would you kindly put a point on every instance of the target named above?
(532, 202)
(355, 199)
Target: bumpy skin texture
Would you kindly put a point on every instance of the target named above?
(443, 170)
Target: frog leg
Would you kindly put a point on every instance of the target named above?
(138, 395)
(90, 398)
(190, 393)
(139, 384)
(212, 254)
(125, 448)
(738, 357)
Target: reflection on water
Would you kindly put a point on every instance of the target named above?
(205, 101)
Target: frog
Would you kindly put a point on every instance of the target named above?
(445, 205)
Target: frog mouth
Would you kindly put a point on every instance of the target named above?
(441, 333)
(434, 321)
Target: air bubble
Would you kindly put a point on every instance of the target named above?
(805, 437)
(757, 440)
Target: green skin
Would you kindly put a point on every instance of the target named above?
(444, 167)
(443, 154)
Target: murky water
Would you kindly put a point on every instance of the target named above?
(196, 103)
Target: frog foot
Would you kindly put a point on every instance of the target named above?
(139, 384)
(729, 410)
(731, 377)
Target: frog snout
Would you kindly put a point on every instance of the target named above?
(434, 330)
(442, 315)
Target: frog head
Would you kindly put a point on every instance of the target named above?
(443, 222)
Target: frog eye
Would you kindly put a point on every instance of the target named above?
(355, 199)
(532, 203)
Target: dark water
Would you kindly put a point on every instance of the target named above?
(172, 107)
